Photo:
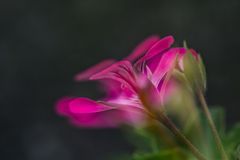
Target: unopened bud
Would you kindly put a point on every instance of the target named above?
(194, 71)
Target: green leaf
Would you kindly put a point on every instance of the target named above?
(150, 148)
(143, 139)
(232, 142)
(170, 154)
(210, 148)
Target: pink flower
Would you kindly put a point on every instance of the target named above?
(144, 70)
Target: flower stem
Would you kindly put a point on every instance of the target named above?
(212, 125)
(163, 119)
(171, 126)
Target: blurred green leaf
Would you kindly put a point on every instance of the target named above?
(170, 154)
(150, 148)
(232, 142)
(210, 148)
(142, 139)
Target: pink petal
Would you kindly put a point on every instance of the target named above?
(142, 48)
(62, 106)
(154, 54)
(104, 119)
(85, 105)
(153, 62)
(166, 89)
(132, 114)
(84, 112)
(166, 63)
(121, 71)
(149, 93)
(94, 69)
(96, 116)
(111, 87)
(111, 118)
(159, 46)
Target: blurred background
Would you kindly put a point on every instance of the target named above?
(44, 43)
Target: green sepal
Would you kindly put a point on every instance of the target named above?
(203, 72)
(194, 72)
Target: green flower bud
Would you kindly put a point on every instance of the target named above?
(194, 71)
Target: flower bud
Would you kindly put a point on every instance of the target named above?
(194, 70)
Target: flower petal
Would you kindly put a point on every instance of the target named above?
(121, 71)
(84, 112)
(110, 118)
(62, 106)
(159, 46)
(149, 94)
(142, 48)
(166, 63)
(85, 105)
(154, 54)
(97, 120)
(94, 69)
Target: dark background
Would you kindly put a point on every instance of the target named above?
(44, 43)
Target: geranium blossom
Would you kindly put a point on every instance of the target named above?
(144, 70)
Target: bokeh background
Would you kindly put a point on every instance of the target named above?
(44, 43)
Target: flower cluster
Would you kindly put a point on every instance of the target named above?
(144, 78)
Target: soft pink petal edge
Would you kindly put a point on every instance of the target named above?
(82, 76)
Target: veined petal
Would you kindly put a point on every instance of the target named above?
(94, 69)
(166, 63)
(158, 47)
(84, 112)
(167, 88)
(125, 100)
(153, 62)
(149, 94)
(142, 48)
(154, 54)
(110, 118)
(111, 88)
(121, 71)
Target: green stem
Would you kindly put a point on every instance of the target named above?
(212, 125)
(171, 126)
(163, 119)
